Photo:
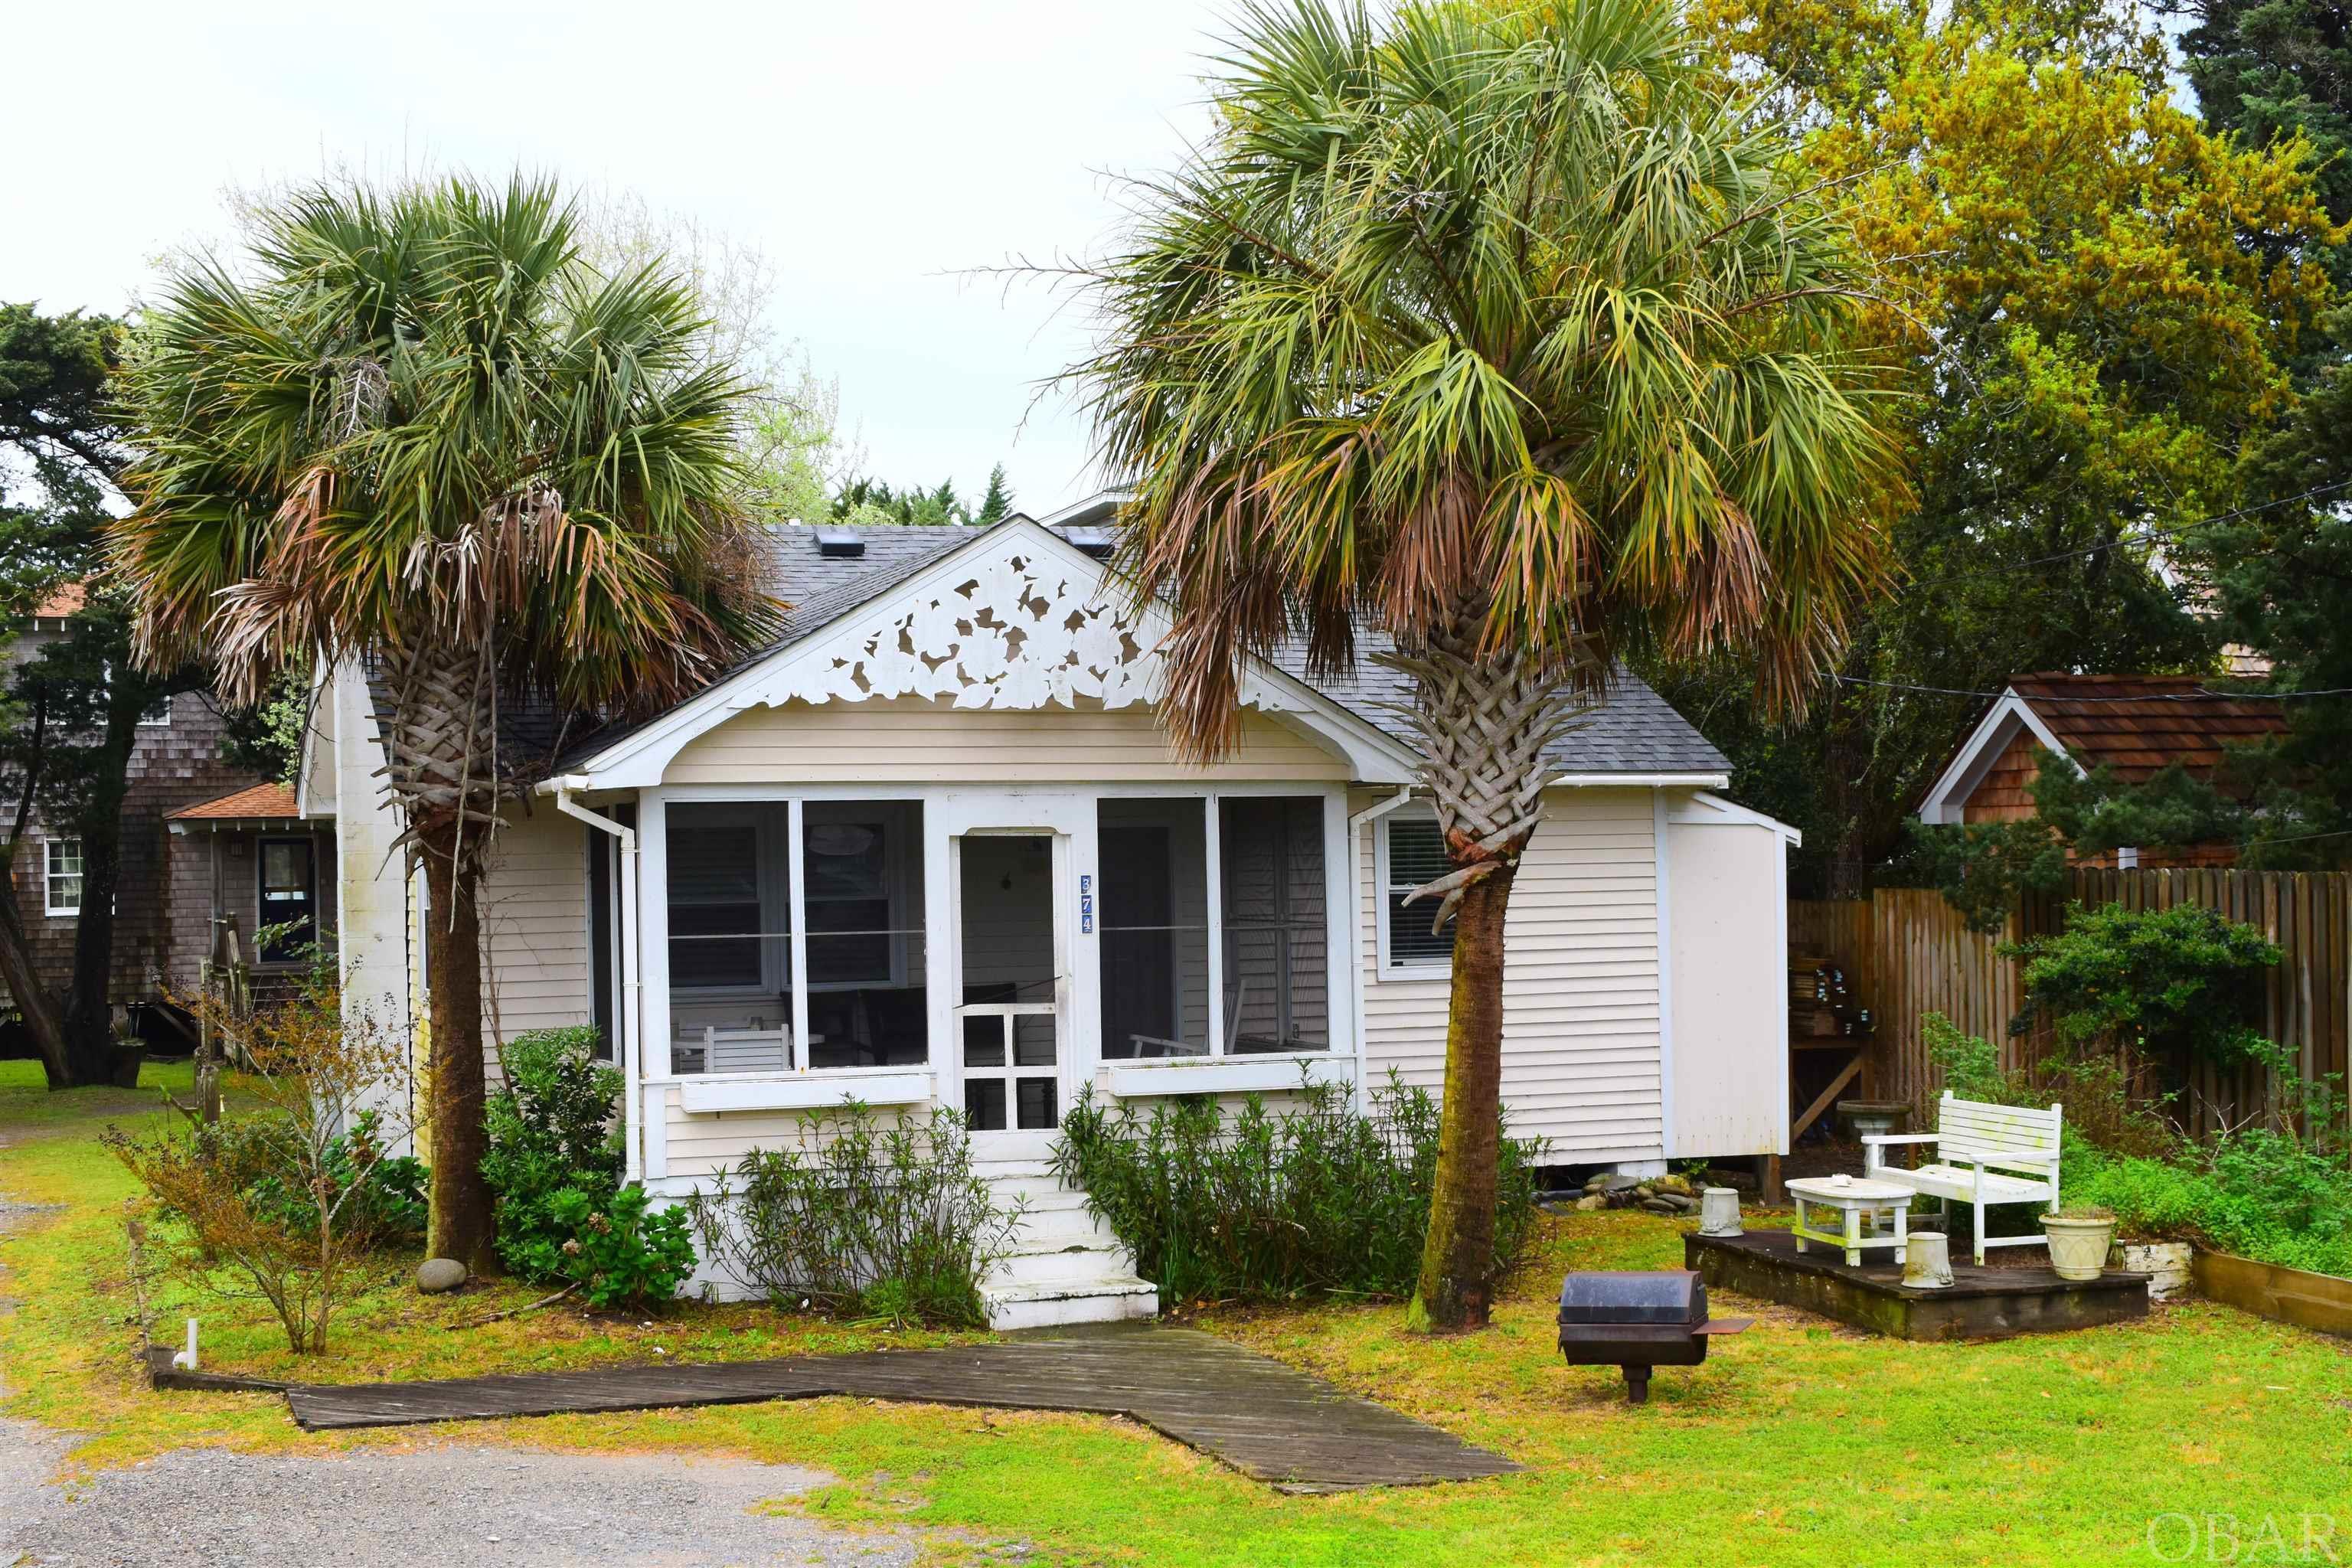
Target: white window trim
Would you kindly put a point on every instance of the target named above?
(158, 717)
(49, 877)
(1381, 968)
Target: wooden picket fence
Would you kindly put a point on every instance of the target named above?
(1906, 953)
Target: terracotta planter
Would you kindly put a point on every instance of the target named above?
(2078, 1247)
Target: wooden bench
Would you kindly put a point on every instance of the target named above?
(1984, 1154)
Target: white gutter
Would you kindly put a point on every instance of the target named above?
(624, 1014)
(1640, 781)
(1363, 818)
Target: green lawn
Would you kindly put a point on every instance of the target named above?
(1798, 1443)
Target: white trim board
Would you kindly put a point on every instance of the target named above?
(1124, 671)
(2010, 713)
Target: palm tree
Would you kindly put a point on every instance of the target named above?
(1500, 332)
(415, 430)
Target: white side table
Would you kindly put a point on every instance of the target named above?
(1852, 1197)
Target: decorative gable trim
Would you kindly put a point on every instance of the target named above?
(1014, 618)
(1947, 799)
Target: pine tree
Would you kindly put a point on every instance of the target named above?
(998, 501)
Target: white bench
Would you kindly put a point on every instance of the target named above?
(1984, 1154)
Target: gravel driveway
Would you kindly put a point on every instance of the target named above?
(432, 1507)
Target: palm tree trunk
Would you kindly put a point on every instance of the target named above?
(1457, 1258)
(442, 771)
(1483, 721)
(456, 1086)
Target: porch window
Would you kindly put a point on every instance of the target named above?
(1154, 909)
(1413, 854)
(1277, 924)
(845, 877)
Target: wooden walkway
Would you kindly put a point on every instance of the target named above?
(1266, 1420)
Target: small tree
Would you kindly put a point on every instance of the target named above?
(284, 1201)
(2174, 985)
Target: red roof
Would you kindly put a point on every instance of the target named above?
(271, 801)
(2138, 724)
(63, 601)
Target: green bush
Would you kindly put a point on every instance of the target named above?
(2102, 1109)
(863, 1220)
(2260, 1194)
(2179, 983)
(1320, 1199)
(620, 1252)
(551, 1127)
(388, 1205)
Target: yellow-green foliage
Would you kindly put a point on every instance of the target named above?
(1800, 1442)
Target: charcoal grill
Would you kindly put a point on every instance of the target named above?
(1637, 1320)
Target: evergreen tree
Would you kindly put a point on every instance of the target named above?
(998, 501)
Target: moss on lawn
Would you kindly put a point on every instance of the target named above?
(1801, 1442)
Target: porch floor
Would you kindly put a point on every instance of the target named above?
(1270, 1422)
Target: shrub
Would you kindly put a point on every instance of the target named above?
(2103, 1109)
(861, 1219)
(550, 1132)
(2260, 1194)
(1320, 1199)
(2179, 983)
(618, 1252)
(284, 1202)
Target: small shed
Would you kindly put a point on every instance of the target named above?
(2135, 725)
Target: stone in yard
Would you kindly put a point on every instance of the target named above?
(1659, 1205)
(1679, 1186)
(1592, 1201)
(1681, 1205)
(436, 1274)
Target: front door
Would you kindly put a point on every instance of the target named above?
(1012, 953)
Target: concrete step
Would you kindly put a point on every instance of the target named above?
(1111, 1300)
(1062, 1265)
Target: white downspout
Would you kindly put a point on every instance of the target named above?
(1363, 818)
(624, 1014)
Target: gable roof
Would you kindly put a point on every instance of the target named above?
(1633, 732)
(2135, 724)
(2139, 724)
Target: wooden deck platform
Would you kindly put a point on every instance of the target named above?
(1980, 1304)
(1269, 1421)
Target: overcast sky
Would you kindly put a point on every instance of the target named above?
(872, 152)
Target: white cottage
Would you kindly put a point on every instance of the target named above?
(933, 848)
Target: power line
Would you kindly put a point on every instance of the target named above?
(2152, 535)
(2201, 695)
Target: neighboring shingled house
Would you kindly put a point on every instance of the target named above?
(183, 859)
(2135, 725)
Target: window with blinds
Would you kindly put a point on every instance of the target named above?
(714, 903)
(1416, 857)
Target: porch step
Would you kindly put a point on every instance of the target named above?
(1111, 1300)
(1065, 1266)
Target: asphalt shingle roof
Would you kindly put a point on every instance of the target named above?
(1634, 732)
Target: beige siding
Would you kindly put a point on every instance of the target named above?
(535, 926)
(1581, 984)
(911, 739)
(1726, 925)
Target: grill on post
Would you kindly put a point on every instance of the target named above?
(1636, 1320)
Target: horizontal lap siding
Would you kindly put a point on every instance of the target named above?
(534, 903)
(1580, 990)
(908, 740)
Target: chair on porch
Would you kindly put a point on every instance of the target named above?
(747, 1050)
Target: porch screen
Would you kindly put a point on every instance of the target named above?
(743, 879)
(1277, 920)
(1153, 913)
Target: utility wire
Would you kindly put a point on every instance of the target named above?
(2200, 695)
(2152, 535)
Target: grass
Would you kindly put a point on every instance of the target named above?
(1798, 1443)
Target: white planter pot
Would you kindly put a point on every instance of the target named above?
(2078, 1247)
(2165, 1262)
